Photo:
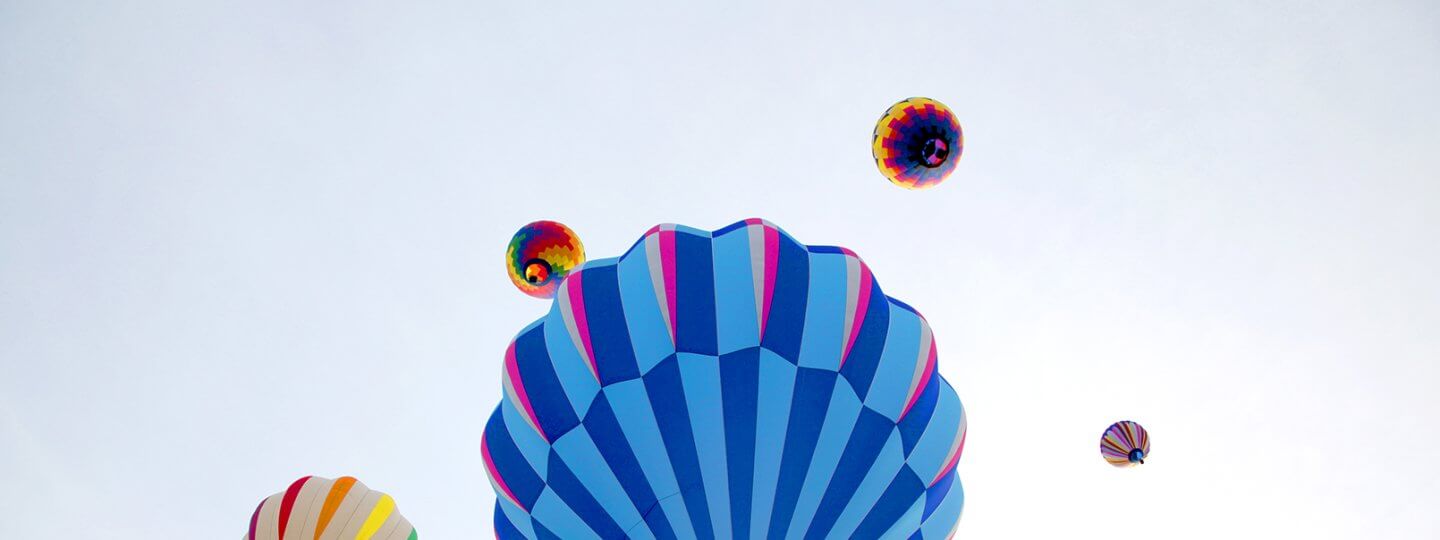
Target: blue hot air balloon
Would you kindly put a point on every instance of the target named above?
(726, 384)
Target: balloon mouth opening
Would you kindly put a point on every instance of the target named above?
(1137, 456)
(537, 272)
(934, 152)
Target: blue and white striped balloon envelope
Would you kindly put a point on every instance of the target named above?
(726, 384)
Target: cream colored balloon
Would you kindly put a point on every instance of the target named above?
(315, 508)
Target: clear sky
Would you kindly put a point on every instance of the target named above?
(242, 242)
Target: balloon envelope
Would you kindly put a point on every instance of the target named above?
(540, 255)
(1125, 444)
(917, 143)
(726, 384)
(315, 508)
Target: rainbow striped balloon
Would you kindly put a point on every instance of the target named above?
(540, 255)
(1125, 444)
(725, 384)
(315, 508)
(917, 143)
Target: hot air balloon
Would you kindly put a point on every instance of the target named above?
(1125, 444)
(917, 143)
(540, 255)
(726, 384)
(315, 508)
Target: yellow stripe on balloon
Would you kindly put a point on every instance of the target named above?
(378, 515)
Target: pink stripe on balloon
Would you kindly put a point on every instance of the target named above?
(255, 519)
(517, 385)
(772, 263)
(769, 259)
(582, 326)
(495, 474)
(667, 262)
(862, 303)
(924, 380)
(954, 460)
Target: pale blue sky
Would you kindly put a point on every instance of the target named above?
(223, 225)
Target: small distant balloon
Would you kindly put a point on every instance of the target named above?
(917, 143)
(321, 508)
(1125, 444)
(540, 255)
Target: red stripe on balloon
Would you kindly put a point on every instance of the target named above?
(288, 503)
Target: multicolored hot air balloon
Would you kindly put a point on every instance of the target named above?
(540, 255)
(1125, 444)
(315, 508)
(726, 384)
(917, 143)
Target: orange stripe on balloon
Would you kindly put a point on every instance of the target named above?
(332, 503)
